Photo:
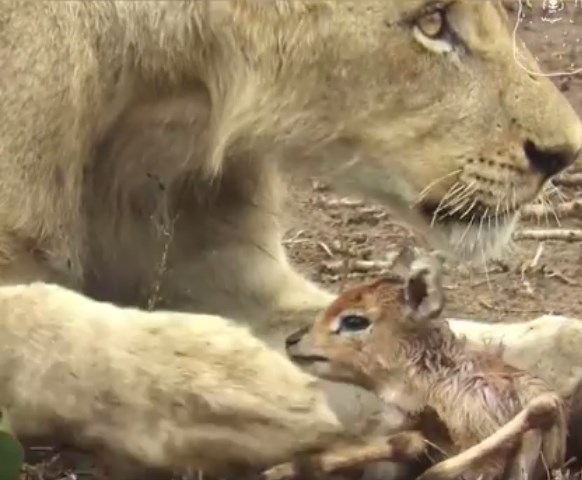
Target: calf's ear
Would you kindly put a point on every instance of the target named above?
(423, 290)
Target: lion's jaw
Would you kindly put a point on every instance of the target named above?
(450, 220)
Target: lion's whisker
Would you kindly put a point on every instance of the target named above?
(481, 243)
(451, 191)
(464, 234)
(469, 208)
(459, 197)
(426, 189)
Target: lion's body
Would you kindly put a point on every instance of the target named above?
(142, 143)
(553, 338)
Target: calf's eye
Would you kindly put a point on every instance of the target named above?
(354, 323)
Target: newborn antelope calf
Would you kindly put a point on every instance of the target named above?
(387, 336)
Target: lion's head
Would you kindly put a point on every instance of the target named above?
(419, 104)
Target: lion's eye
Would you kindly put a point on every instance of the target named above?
(354, 323)
(432, 30)
(432, 24)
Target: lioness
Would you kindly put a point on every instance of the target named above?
(142, 143)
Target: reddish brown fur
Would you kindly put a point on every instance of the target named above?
(359, 297)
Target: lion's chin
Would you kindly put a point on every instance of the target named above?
(479, 242)
(465, 239)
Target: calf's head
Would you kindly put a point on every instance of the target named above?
(367, 335)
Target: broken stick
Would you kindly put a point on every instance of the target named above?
(562, 210)
(570, 180)
(562, 234)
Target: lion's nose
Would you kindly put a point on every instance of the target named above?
(549, 162)
(294, 338)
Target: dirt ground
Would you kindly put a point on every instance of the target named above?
(329, 241)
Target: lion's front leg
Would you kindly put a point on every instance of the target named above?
(251, 284)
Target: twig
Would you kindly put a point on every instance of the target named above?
(536, 260)
(340, 202)
(362, 266)
(563, 278)
(404, 446)
(325, 248)
(359, 266)
(534, 264)
(571, 180)
(562, 210)
(296, 238)
(488, 306)
(167, 232)
(564, 235)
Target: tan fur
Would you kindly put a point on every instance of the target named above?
(166, 390)
(142, 143)
(411, 358)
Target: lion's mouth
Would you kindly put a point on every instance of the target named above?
(305, 359)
